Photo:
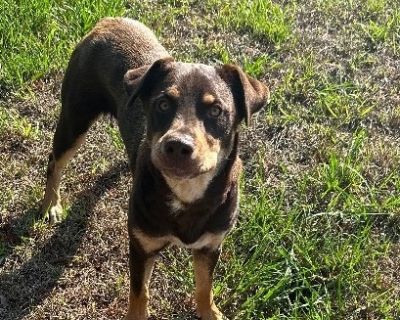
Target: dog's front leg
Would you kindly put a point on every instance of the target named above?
(141, 266)
(205, 261)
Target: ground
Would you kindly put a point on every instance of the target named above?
(318, 234)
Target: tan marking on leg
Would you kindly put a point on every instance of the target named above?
(138, 307)
(51, 204)
(138, 304)
(206, 308)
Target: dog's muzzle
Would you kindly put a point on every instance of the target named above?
(175, 157)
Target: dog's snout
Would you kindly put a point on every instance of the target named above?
(177, 149)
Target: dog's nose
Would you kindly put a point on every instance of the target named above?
(177, 149)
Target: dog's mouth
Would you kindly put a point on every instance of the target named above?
(182, 173)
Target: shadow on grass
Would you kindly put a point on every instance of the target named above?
(31, 283)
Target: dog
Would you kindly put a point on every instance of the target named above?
(180, 126)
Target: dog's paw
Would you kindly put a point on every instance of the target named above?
(53, 214)
(212, 313)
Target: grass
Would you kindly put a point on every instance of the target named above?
(263, 19)
(318, 233)
(44, 32)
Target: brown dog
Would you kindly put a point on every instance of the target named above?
(179, 123)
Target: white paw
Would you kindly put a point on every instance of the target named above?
(54, 214)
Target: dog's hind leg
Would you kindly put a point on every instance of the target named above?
(70, 133)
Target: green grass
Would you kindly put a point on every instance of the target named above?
(263, 19)
(11, 121)
(318, 232)
(41, 34)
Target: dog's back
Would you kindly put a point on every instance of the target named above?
(101, 59)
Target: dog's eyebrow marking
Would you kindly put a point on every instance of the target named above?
(208, 98)
(172, 92)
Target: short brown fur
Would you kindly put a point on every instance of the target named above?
(184, 158)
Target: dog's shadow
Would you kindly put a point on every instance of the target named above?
(28, 285)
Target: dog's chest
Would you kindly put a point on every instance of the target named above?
(209, 240)
(151, 243)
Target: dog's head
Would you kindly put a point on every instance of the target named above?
(193, 112)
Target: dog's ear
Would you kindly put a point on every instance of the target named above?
(132, 78)
(250, 95)
(139, 81)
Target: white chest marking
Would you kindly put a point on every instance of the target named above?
(189, 190)
(176, 205)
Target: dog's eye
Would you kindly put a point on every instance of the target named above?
(163, 106)
(214, 111)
